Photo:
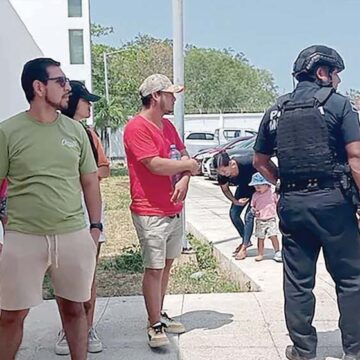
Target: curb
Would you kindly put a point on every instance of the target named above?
(226, 265)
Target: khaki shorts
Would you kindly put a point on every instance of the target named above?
(69, 258)
(265, 228)
(160, 238)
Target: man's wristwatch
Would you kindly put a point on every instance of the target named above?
(97, 226)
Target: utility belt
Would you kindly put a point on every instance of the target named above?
(342, 179)
(308, 185)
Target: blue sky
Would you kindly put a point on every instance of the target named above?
(269, 32)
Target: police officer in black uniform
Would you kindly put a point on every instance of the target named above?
(315, 134)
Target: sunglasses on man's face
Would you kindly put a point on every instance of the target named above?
(61, 80)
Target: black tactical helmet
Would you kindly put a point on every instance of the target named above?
(314, 56)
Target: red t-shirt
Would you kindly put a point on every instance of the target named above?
(150, 193)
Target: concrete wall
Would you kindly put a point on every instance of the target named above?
(34, 28)
(16, 47)
(198, 122)
(49, 24)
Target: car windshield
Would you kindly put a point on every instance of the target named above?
(248, 144)
(245, 144)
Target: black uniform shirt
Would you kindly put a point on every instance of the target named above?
(242, 180)
(342, 120)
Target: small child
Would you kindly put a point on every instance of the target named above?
(263, 204)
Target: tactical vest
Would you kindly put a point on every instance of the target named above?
(303, 146)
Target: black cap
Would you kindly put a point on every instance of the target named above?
(317, 55)
(79, 90)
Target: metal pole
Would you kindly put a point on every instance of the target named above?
(106, 78)
(108, 128)
(178, 64)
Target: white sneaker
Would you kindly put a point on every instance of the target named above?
(61, 346)
(94, 343)
(278, 256)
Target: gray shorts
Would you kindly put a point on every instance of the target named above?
(160, 238)
(265, 228)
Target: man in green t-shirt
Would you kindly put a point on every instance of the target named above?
(47, 159)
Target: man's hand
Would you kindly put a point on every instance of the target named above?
(95, 234)
(181, 189)
(241, 202)
(194, 167)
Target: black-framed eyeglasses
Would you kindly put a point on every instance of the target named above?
(61, 80)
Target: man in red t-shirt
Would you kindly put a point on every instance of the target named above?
(157, 201)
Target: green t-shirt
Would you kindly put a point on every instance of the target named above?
(43, 163)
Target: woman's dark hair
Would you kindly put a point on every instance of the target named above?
(221, 159)
(72, 105)
(70, 112)
(35, 70)
(92, 143)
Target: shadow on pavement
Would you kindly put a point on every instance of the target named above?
(205, 319)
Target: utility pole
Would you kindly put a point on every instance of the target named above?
(107, 97)
(178, 65)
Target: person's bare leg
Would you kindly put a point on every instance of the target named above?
(11, 332)
(165, 280)
(261, 248)
(275, 243)
(90, 305)
(74, 323)
(152, 293)
(242, 254)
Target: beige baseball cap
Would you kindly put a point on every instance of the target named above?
(158, 82)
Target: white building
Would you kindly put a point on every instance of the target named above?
(59, 29)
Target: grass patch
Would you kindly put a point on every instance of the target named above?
(119, 272)
(200, 274)
(119, 171)
(129, 261)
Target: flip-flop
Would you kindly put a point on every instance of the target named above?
(240, 256)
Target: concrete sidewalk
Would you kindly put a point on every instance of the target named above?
(246, 326)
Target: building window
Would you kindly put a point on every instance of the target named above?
(76, 43)
(75, 8)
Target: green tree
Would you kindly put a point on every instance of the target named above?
(216, 80)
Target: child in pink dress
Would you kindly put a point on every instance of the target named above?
(263, 204)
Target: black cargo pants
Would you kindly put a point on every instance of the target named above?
(309, 221)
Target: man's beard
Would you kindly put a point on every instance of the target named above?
(166, 111)
(56, 106)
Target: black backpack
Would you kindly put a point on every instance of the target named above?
(302, 135)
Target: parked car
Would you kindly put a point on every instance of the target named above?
(246, 147)
(223, 135)
(196, 141)
(203, 155)
(235, 145)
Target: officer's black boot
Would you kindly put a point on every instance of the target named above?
(292, 354)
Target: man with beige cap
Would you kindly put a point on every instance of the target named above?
(158, 189)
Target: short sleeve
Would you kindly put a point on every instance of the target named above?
(4, 155)
(350, 125)
(87, 163)
(265, 141)
(140, 142)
